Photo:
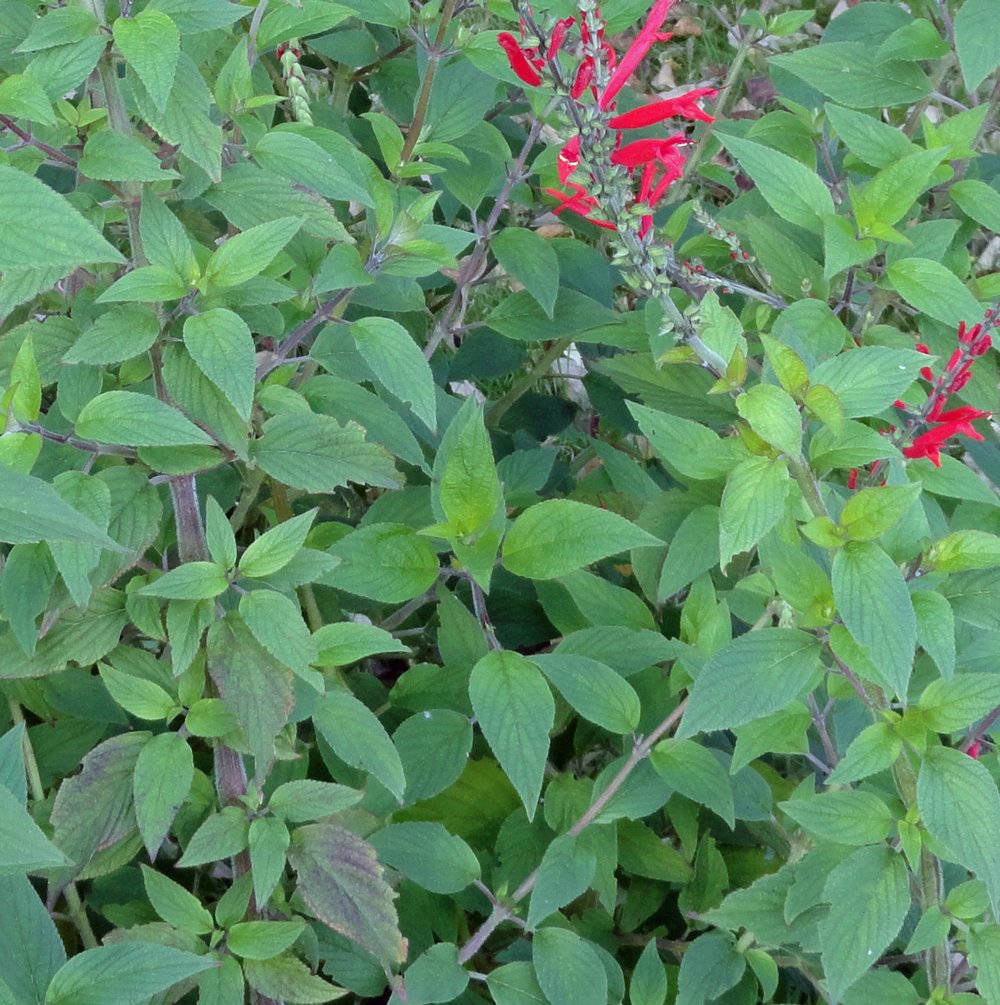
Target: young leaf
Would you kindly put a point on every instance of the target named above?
(190, 581)
(151, 45)
(219, 535)
(163, 776)
(268, 840)
(516, 711)
(174, 904)
(244, 256)
(753, 501)
(275, 548)
(262, 940)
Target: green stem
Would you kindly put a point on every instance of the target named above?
(74, 905)
(251, 489)
(497, 412)
(423, 100)
(806, 480)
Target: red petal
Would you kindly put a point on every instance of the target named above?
(519, 62)
(636, 53)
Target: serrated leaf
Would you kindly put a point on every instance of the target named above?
(174, 904)
(221, 344)
(23, 845)
(262, 940)
(848, 817)
(139, 420)
(151, 45)
(648, 984)
(113, 156)
(306, 799)
(695, 772)
(42, 230)
(398, 363)
(978, 51)
(358, 738)
(756, 674)
(426, 853)
(960, 807)
(753, 501)
(596, 691)
(190, 581)
(347, 642)
(869, 897)
(537, 546)
(565, 872)
(164, 772)
(529, 258)
(515, 711)
(341, 882)
(276, 547)
(568, 968)
(934, 290)
(874, 602)
(248, 253)
(118, 334)
(287, 978)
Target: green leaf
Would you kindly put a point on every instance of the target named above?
(139, 697)
(869, 897)
(219, 535)
(871, 512)
(316, 454)
(268, 839)
(384, 561)
(31, 950)
(247, 254)
(960, 807)
(755, 675)
(23, 845)
(950, 705)
(936, 629)
(262, 940)
(42, 230)
(306, 799)
(112, 156)
(163, 776)
(515, 984)
(221, 344)
(288, 979)
(538, 546)
(978, 50)
(434, 747)
(874, 602)
(398, 363)
(150, 283)
(151, 45)
(427, 854)
(323, 161)
(252, 683)
(752, 503)
(529, 258)
(598, 693)
(984, 955)
(221, 835)
(31, 510)
(773, 415)
(695, 772)
(568, 968)
(341, 882)
(565, 873)
(276, 547)
(348, 642)
(22, 97)
(25, 383)
(868, 379)
(119, 334)
(466, 487)
(190, 581)
(223, 986)
(648, 985)
(693, 449)
(515, 711)
(358, 738)
(964, 550)
(124, 973)
(276, 623)
(694, 549)
(709, 967)
(848, 817)
(852, 75)
(795, 193)
(934, 290)
(978, 200)
(174, 904)
(435, 976)
(136, 419)
(887, 198)
(164, 239)
(871, 140)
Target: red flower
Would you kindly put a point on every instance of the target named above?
(518, 59)
(685, 106)
(648, 36)
(558, 36)
(974, 749)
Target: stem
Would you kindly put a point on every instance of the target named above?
(26, 137)
(807, 483)
(251, 489)
(640, 751)
(497, 412)
(74, 904)
(434, 54)
(676, 192)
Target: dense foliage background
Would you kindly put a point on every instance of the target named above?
(499, 502)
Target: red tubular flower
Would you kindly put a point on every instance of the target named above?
(640, 152)
(558, 36)
(852, 479)
(583, 79)
(644, 41)
(518, 59)
(959, 420)
(983, 346)
(974, 749)
(684, 106)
